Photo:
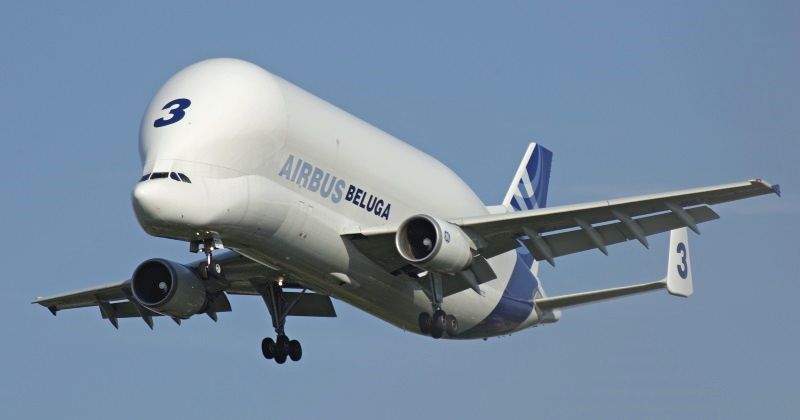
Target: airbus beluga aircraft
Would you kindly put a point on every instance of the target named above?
(296, 201)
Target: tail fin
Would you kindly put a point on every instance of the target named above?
(679, 270)
(528, 189)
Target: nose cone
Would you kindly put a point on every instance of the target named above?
(146, 202)
(169, 208)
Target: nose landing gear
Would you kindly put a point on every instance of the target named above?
(210, 269)
(282, 347)
(439, 323)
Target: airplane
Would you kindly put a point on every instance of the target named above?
(294, 200)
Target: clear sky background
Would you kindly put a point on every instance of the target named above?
(632, 97)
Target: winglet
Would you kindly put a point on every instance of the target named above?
(679, 269)
(775, 188)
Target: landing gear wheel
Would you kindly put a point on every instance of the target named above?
(451, 325)
(295, 350)
(215, 270)
(282, 345)
(281, 349)
(268, 348)
(438, 324)
(425, 323)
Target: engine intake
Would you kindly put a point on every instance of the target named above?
(168, 288)
(433, 244)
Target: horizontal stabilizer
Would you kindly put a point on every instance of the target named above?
(678, 281)
(593, 296)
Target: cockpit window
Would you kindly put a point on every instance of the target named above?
(176, 176)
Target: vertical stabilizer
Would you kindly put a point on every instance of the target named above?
(528, 189)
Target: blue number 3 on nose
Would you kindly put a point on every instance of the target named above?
(177, 109)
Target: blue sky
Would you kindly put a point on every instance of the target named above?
(631, 97)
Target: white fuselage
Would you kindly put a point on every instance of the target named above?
(279, 174)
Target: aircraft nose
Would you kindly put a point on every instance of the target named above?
(146, 201)
(169, 206)
(175, 208)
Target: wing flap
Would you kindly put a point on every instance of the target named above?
(576, 240)
(311, 304)
(127, 310)
(380, 248)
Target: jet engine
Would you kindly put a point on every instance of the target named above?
(433, 244)
(168, 288)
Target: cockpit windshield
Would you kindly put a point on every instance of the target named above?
(175, 176)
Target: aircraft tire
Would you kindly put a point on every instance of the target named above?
(425, 323)
(268, 348)
(282, 346)
(438, 324)
(451, 325)
(295, 350)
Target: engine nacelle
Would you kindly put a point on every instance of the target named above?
(168, 288)
(433, 244)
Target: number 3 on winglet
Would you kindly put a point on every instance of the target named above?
(177, 109)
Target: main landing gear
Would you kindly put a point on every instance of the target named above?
(439, 323)
(282, 347)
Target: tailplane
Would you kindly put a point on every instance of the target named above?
(678, 281)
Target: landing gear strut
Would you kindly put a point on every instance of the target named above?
(282, 347)
(440, 322)
(210, 269)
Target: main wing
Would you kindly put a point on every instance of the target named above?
(556, 231)
(242, 276)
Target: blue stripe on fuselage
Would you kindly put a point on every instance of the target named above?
(516, 304)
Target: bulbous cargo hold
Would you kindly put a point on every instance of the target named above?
(168, 288)
(433, 244)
